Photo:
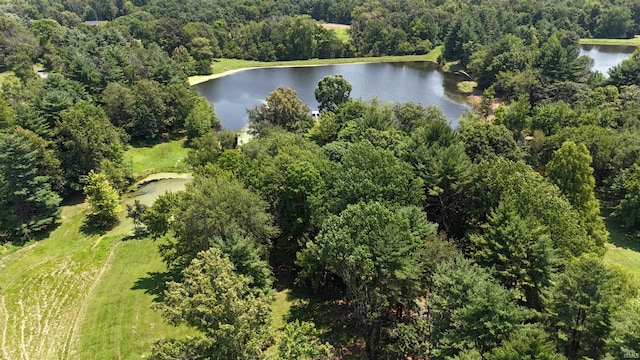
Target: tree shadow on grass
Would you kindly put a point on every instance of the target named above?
(618, 235)
(155, 283)
(332, 318)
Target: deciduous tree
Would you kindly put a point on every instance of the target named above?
(218, 302)
(103, 200)
(332, 91)
(570, 169)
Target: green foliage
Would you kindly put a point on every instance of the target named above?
(484, 140)
(519, 249)
(201, 119)
(581, 304)
(469, 310)
(625, 332)
(212, 208)
(157, 216)
(570, 169)
(527, 343)
(283, 109)
(378, 253)
(368, 173)
(498, 179)
(438, 158)
(237, 327)
(27, 202)
(299, 342)
(331, 92)
(86, 138)
(103, 200)
(135, 212)
(628, 210)
(627, 72)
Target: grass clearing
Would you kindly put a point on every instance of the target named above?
(44, 287)
(158, 157)
(626, 42)
(225, 66)
(623, 251)
(119, 322)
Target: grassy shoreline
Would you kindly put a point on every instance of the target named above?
(625, 42)
(225, 67)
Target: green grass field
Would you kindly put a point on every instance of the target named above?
(628, 42)
(624, 251)
(224, 65)
(166, 156)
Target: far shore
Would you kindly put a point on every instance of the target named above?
(624, 42)
(224, 67)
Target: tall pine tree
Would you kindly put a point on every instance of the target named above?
(27, 202)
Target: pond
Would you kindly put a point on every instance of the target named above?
(419, 82)
(148, 192)
(606, 56)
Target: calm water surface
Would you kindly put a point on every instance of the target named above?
(418, 82)
(149, 192)
(606, 56)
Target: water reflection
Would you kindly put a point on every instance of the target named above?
(606, 56)
(419, 82)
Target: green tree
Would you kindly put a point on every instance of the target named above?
(628, 210)
(86, 138)
(117, 102)
(283, 108)
(332, 91)
(218, 302)
(371, 174)
(497, 179)
(201, 119)
(378, 253)
(136, 212)
(627, 72)
(580, 306)
(519, 249)
(223, 207)
(469, 310)
(103, 200)
(27, 202)
(570, 169)
(439, 159)
(625, 334)
(299, 342)
(484, 140)
(527, 343)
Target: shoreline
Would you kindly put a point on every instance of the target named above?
(248, 64)
(634, 41)
(199, 79)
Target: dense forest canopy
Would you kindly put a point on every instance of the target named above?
(482, 242)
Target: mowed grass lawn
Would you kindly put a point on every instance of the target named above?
(626, 42)
(623, 251)
(80, 296)
(164, 156)
(119, 322)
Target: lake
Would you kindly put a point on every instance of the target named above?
(606, 56)
(418, 82)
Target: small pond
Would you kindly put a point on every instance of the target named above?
(148, 192)
(606, 56)
(418, 82)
